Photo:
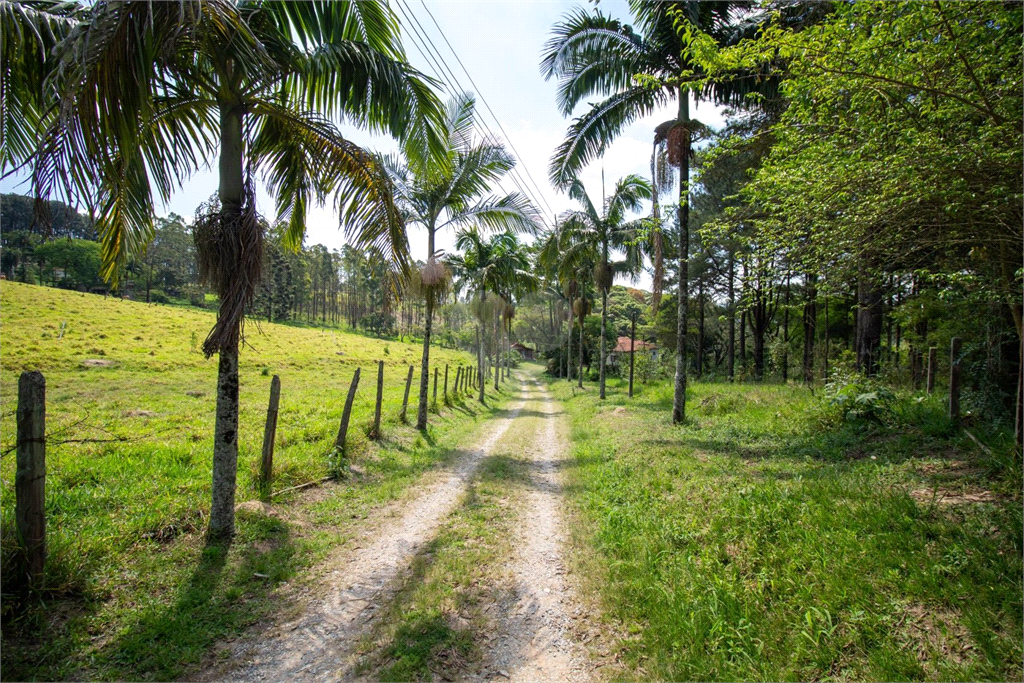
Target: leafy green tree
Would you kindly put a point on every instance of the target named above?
(449, 190)
(77, 260)
(150, 92)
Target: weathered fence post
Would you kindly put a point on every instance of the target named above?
(339, 443)
(446, 384)
(30, 478)
(405, 401)
(270, 432)
(932, 367)
(954, 379)
(375, 432)
(458, 379)
(436, 369)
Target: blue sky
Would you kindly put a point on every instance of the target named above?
(500, 43)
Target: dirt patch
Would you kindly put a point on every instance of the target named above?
(97, 363)
(138, 413)
(257, 506)
(937, 635)
(619, 411)
(942, 495)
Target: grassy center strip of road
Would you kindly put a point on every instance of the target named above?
(448, 618)
(752, 544)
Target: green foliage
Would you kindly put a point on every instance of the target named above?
(128, 476)
(858, 399)
(749, 544)
(71, 263)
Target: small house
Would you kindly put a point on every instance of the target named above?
(622, 346)
(525, 351)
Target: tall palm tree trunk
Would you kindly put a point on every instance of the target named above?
(683, 213)
(579, 375)
(604, 341)
(225, 440)
(421, 414)
(497, 350)
(480, 379)
(568, 344)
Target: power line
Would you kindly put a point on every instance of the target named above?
(484, 100)
(514, 176)
(429, 51)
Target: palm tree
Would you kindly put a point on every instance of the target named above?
(29, 35)
(491, 269)
(439, 191)
(592, 54)
(589, 236)
(148, 93)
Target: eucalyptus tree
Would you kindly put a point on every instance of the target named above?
(147, 93)
(591, 236)
(448, 189)
(637, 73)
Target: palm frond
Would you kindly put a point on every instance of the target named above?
(590, 134)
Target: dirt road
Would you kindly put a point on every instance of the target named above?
(533, 636)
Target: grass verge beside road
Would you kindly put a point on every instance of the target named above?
(753, 544)
(131, 590)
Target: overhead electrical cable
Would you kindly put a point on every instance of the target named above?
(425, 46)
(484, 100)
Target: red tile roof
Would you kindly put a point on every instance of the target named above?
(640, 345)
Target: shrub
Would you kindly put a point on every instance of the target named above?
(851, 397)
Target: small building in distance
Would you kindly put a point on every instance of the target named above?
(525, 351)
(640, 346)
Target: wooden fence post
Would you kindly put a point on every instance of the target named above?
(932, 367)
(30, 477)
(339, 443)
(458, 379)
(375, 432)
(405, 401)
(436, 369)
(446, 384)
(954, 379)
(270, 433)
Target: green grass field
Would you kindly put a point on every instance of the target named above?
(755, 544)
(131, 592)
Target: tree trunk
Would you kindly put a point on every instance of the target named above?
(225, 446)
(785, 335)
(497, 351)
(225, 431)
(700, 331)
(604, 341)
(869, 326)
(743, 341)
(579, 375)
(732, 316)
(480, 364)
(568, 344)
(421, 413)
(683, 213)
(810, 318)
(632, 353)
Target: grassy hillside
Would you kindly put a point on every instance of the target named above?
(761, 541)
(130, 411)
